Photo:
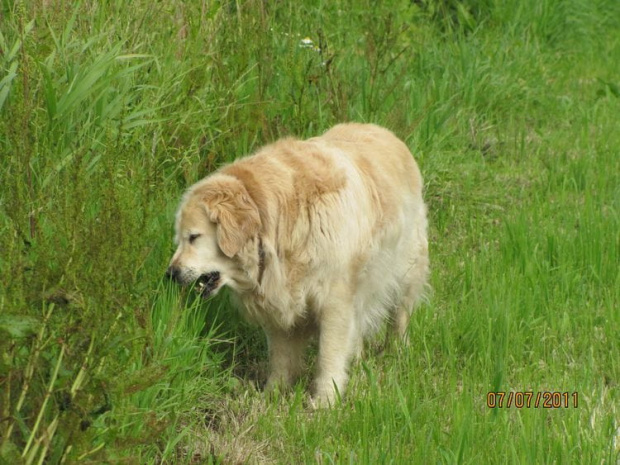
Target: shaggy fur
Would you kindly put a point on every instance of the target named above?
(324, 237)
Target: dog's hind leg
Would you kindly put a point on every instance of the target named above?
(412, 292)
(400, 320)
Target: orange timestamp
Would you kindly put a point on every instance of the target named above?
(531, 399)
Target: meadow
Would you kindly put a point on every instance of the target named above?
(110, 109)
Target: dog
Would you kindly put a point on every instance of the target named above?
(324, 237)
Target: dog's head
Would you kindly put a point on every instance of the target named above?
(214, 222)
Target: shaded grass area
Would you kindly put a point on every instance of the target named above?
(108, 113)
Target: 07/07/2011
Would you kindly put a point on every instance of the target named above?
(530, 399)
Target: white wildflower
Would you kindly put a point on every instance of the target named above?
(307, 42)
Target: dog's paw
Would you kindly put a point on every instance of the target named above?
(325, 396)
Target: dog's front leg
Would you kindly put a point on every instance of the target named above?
(339, 338)
(286, 356)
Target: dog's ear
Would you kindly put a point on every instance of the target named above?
(230, 206)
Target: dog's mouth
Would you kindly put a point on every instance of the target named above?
(207, 283)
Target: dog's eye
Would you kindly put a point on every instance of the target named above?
(193, 237)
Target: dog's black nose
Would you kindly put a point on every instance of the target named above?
(172, 273)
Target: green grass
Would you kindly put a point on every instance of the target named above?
(109, 110)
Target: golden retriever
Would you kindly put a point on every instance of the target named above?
(324, 237)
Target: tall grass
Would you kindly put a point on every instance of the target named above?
(108, 112)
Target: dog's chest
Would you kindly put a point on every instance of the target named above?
(281, 311)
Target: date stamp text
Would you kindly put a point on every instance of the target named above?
(531, 399)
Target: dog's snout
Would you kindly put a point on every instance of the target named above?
(172, 273)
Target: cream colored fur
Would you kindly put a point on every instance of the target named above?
(341, 225)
